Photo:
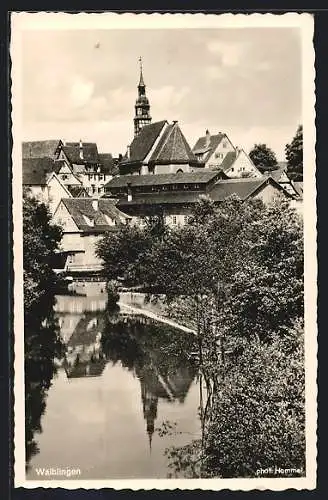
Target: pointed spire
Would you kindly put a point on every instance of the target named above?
(141, 81)
(150, 438)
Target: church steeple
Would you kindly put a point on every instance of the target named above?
(142, 115)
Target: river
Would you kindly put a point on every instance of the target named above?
(119, 379)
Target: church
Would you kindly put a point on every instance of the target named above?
(157, 148)
(160, 173)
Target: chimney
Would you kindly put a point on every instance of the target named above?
(81, 150)
(207, 138)
(175, 121)
(128, 151)
(129, 191)
(95, 205)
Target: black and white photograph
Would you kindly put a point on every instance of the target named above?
(164, 210)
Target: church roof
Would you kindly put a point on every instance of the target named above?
(204, 147)
(173, 147)
(144, 141)
(40, 149)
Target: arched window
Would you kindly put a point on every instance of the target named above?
(180, 171)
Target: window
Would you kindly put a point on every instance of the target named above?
(101, 177)
(224, 144)
(174, 219)
(186, 219)
(64, 177)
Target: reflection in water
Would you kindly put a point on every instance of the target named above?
(158, 356)
(102, 344)
(42, 345)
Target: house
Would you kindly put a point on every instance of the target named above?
(84, 222)
(237, 164)
(174, 195)
(77, 164)
(211, 150)
(82, 160)
(159, 148)
(280, 176)
(265, 189)
(40, 179)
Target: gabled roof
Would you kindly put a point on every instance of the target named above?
(199, 177)
(79, 208)
(37, 170)
(90, 152)
(276, 174)
(243, 188)
(78, 191)
(142, 143)
(173, 147)
(108, 165)
(228, 160)
(40, 149)
(207, 147)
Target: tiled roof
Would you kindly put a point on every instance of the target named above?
(108, 165)
(90, 152)
(78, 191)
(202, 146)
(37, 170)
(142, 143)
(79, 208)
(243, 188)
(228, 160)
(39, 149)
(199, 177)
(276, 174)
(173, 147)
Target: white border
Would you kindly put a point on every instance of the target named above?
(59, 21)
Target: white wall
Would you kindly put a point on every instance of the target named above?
(243, 165)
(219, 154)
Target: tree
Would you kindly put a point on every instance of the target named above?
(41, 239)
(263, 158)
(294, 156)
(257, 419)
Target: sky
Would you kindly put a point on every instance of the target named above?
(82, 84)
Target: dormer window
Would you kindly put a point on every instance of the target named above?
(109, 220)
(89, 221)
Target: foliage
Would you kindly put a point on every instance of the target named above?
(263, 158)
(124, 251)
(294, 156)
(40, 240)
(112, 293)
(257, 419)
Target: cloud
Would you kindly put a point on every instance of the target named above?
(81, 92)
(230, 53)
(214, 72)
